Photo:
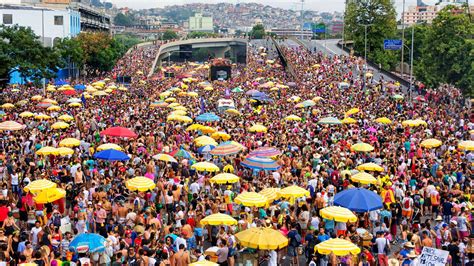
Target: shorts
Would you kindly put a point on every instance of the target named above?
(198, 231)
(341, 233)
(292, 251)
(39, 213)
(23, 216)
(406, 213)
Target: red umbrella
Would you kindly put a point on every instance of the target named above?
(69, 92)
(118, 132)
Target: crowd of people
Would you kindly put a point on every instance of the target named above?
(426, 192)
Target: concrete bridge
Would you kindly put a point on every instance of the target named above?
(218, 46)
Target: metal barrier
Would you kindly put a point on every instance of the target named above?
(283, 60)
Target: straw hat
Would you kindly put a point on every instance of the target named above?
(409, 244)
(393, 262)
(439, 218)
(412, 254)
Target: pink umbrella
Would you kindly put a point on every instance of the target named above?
(372, 130)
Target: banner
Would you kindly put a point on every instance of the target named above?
(433, 257)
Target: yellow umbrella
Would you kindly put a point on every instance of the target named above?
(364, 178)
(338, 214)
(63, 151)
(109, 146)
(170, 100)
(26, 114)
(421, 122)
(466, 145)
(122, 88)
(192, 94)
(349, 120)
(100, 93)
(164, 157)
(413, 123)
(293, 192)
(204, 263)
(205, 166)
(218, 219)
(370, 167)
(11, 126)
(173, 117)
(262, 238)
(179, 108)
(224, 178)
(60, 125)
(47, 150)
(49, 195)
(338, 246)
(317, 99)
(166, 94)
(140, 183)
(51, 101)
(293, 118)
(232, 111)
(220, 135)
(75, 104)
(54, 108)
(36, 98)
(173, 105)
(251, 199)
(431, 143)
(91, 89)
(185, 119)
(21, 102)
(39, 185)
(270, 193)
(205, 139)
(257, 128)
(108, 90)
(66, 118)
(69, 142)
(208, 88)
(8, 105)
(178, 112)
(352, 111)
(362, 147)
(194, 127)
(42, 117)
(176, 89)
(207, 129)
(383, 120)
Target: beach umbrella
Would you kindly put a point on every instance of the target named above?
(165, 158)
(75, 104)
(158, 104)
(349, 120)
(220, 135)
(329, 121)
(64, 151)
(182, 153)
(205, 140)
(410, 123)
(194, 127)
(364, 178)
(11, 126)
(224, 150)
(338, 214)
(218, 219)
(37, 98)
(80, 87)
(265, 152)
(208, 88)
(49, 195)
(204, 263)
(60, 83)
(237, 90)
(74, 100)
(207, 117)
(51, 101)
(358, 200)
(39, 185)
(69, 142)
(224, 178)
(362, 147)
(262, 238)
(293, 192)
(337, 246)
(42, 117)
(87, 242)
(467, 145)
(109, 146)
(292, 118)
(170, 100)
(352, 111)
(140, 183)
(47, 150)
(397, 97)
(205, 166)
(370, 167)
(231, 142)
(60, 125)
(257, 128)
(317, 99)
(185, 119)
(192, 94)
(178, 112)
(294, 99)
(251, 199)
(252, 92)
(7, 106)
(205, 149)
(66, 118)
(308, 103)
(431, 143)
(270, 193)
(207, 129)
(343, 85)
(118, 132)
(233, 111)
(111, 155)
(383, 120)
(26, 114)
(260, 163)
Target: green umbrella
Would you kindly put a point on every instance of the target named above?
(237, 89)
(398, 97)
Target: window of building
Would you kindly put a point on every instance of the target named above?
(7, 19)
(58, 20)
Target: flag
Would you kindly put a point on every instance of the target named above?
(83, 99)
(203, 106)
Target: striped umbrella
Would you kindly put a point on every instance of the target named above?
(271, 193)
(165, 158)
(181, 153)
(224, 178)
(11, 125)
(208, 117)
(218, 219)
(223, 150)
(339, 247)
(206, 149)
(338, 214)
(265, 152)
(39, 185)
(260, 163)
(140, 183)
(251, 199)
(330, 121)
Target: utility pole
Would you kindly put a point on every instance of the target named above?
(302, 19)
(365, 41)
(411, 59)
(344, 23)
(403, 37)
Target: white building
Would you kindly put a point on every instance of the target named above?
(200, 23)
(50, 25)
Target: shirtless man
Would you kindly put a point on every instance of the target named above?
(122, 213)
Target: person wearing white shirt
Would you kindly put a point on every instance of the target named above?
(194, 187)
(273, 258)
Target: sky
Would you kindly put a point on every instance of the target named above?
(317, 5)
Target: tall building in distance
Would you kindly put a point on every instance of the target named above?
(200, 23)
(423, 13)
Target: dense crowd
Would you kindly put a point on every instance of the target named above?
(426, 192)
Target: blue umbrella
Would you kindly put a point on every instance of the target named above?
(207, 117)
(60, 83)
(94, 242)
(260, 163)
(80, 87)
(111, 155)
(206, 149)
(358, 200)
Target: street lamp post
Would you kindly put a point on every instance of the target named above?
(365, 40)
(411, 58)
(403, 37)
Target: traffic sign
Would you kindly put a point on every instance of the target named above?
(392, 44)
(319, 28)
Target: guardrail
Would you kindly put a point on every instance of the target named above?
(283, 60)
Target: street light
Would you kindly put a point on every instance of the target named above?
(365, 40)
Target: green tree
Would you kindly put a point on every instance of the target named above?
(447, 52)
(201, 54)
(123, 20)
(257, 32)
(21, 49)
(169, 35)
(381, 16)
(70, 51)
(201, 34)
